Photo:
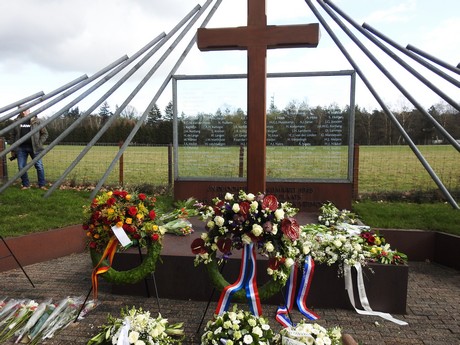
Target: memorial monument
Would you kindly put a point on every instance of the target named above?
(256, 38)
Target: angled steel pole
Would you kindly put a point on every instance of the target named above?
(44, 97)
(382, 104)
(395, 82)
(434, 59)
(58, 99)
(21, 101)
(124, 104)
(159, 92)
(412, 55)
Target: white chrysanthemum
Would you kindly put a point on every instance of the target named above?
(269, 247)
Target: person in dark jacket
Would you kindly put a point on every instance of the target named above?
(30, 147)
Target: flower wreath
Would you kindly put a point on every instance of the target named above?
(135, 215)
(245, 219)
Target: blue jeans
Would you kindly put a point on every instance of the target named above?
(22, 154)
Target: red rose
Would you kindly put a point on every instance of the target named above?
(136, 236)
(152, 214)
(198, 246)
(110, 201)
(155, 237)
(270, 202)
(132, 211)
(142, 196)
(92, 245)
(290, 228)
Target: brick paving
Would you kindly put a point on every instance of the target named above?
(433, 305)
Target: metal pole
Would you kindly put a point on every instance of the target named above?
(383, 105)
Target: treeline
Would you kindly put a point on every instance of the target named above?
(371, 128)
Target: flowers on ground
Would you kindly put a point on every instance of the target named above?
(237, 327)
(308, 333)
(136, 326)
(239, 220)
(30, 322)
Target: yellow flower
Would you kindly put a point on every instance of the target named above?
(129, 221)
(88, 234)
(96, 236)
(120, 224)
(139, 216)
(110, 211)
(109, 193)
(377, 241)
(128, 197)
(155, 227)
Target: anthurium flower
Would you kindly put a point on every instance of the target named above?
(224, 245)
(270, 202)
(290, 228)
(198, 246)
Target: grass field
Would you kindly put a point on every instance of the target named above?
(381, 168)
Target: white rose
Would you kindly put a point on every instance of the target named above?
(139, 342)
(257, 230)
(289, 262)
(219, 221)
(210, 224)
(228, 196)
(269, 247)
(257, 331)
(270, 271)
(246, 239)
(279, 214)
(236, 208)
(306, 250)
(204, 236)
(254, 205)
(248, 339)
(275, 229)
(250, 197)
(133, 336)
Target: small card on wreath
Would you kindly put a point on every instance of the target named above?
(120, 234)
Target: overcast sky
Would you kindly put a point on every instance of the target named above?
(45, 44)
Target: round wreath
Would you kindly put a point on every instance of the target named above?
(135, 274)
(235, 221)
(135, 216)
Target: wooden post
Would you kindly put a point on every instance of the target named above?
(256, 38)
(355, 192)
(120, 166)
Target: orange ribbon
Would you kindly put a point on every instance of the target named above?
(109, 253)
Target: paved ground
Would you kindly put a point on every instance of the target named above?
(433, 305)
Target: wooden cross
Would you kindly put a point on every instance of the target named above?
(256, 38)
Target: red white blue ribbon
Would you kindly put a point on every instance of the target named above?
(283, 312)
(246, 279)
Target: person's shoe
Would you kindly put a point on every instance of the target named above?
(25, 187)
(43, 188)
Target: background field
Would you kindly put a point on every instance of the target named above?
(382, 169)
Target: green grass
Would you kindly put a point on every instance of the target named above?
(402, 215)
(381, 168)
(27, 211)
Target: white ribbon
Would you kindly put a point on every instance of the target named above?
(352, 229)
(362, 295)
(124, 333)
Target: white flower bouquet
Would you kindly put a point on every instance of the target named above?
(237, 327)
(137, 327)
(309, 334)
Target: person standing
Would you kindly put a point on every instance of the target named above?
(30, 147)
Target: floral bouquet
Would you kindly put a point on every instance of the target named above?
(331, 215)
(380, 251)
(237, 327)
(245, 219)
(136, 326)
(134, 214)
(310, 334)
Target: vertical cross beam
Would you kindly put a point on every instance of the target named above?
(256, 38)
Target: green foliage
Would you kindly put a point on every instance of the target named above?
(402, 215)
